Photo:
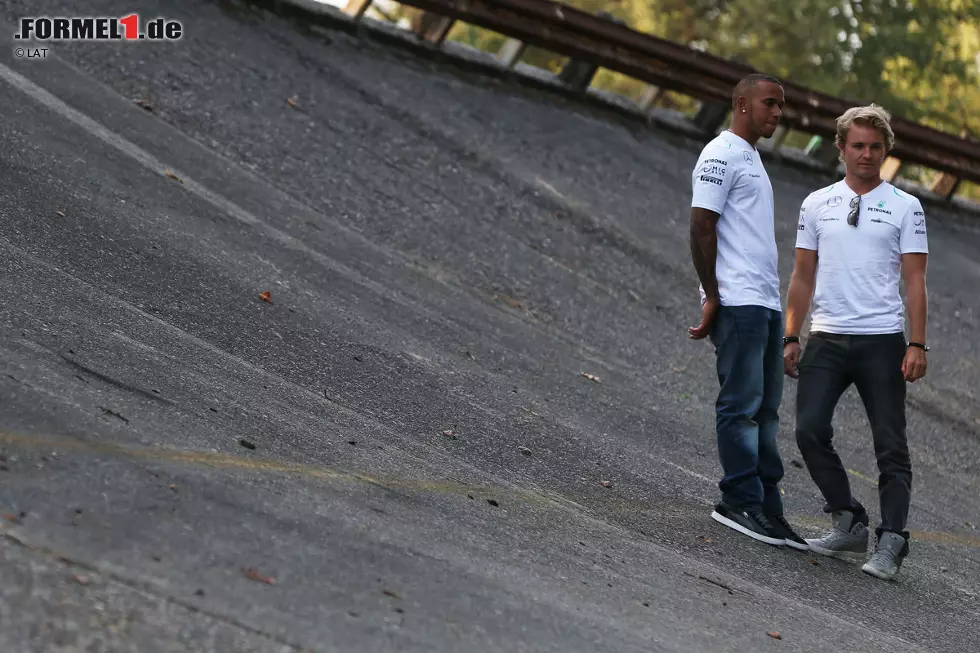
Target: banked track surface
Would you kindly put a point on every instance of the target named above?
(443, 253)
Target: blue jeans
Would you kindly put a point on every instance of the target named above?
(748, 344)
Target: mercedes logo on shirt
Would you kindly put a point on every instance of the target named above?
(834, 201)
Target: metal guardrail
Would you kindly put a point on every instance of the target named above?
(597, 41)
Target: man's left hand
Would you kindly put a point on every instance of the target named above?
(914, 365)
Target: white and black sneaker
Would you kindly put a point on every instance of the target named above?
(781, 528)
(748, 522)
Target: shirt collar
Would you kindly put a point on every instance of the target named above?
(883, 186)
(735, 139)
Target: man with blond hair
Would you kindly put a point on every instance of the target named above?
(867, 236)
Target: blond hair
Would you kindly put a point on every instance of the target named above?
(870, 116)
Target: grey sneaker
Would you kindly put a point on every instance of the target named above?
(887, 559)
(848, 539)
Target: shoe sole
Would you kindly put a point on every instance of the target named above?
(797, 545)
(840, 555)
(877, 574)
(744, 531)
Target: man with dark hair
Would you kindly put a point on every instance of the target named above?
(748, 84)
(868, 236)
(733, 245)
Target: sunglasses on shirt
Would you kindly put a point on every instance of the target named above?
(852, 217)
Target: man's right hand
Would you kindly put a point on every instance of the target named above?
(709, 311)
(791, 359)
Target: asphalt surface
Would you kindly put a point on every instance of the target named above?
(188, 467)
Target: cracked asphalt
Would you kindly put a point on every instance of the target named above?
(467, 419)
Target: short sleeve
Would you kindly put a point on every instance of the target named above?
(712, 180)
(806, 234)
(913, 239)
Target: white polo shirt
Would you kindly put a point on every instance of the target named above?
(859, 268)
(730, 180)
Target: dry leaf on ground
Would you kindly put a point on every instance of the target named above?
(252, 574)
(266, 296)
(508, 300)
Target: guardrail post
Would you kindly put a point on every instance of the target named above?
(890, 169)
(778, 138)
(652, 95)
(578, 74)
(432, 28)
(944, 185)
(356, 8)
(823, 150)
(710, 117)
(511, 52)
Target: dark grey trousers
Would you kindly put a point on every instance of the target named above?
(873, 363)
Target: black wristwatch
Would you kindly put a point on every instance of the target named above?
(789, 339)
(919, 345)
